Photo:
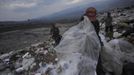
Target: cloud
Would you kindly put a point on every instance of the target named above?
(74, 1)
(16, 4)
(24, 9)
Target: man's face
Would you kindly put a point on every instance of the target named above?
(91, 14)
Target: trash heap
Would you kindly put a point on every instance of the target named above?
(35, 60)
(124, 23)
(77, 53)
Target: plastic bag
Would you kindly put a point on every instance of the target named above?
(126, 49)
(115, 53)
(111, 60)
(79, 50)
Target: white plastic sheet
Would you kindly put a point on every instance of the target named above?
(115, 53)
(111, 60)
(79, 50)
(125, 48)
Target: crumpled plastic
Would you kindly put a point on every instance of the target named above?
(115, 54)
(111, 60)
(125, 48)
(79, 49)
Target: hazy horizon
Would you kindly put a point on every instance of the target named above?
(16, 10)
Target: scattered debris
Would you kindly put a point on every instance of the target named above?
(41, 58)
(30, 60)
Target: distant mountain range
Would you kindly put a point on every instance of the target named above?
(75, 13)
(66, 16)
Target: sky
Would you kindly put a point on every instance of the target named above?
(16, 10)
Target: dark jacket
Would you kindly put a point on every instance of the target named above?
(108, 21)
(54, 31)
(96, 26)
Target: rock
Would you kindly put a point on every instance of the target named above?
(122, 14)
(38, 74)
(19, 70)
(2, 65)
(26, 63)
(116, 34)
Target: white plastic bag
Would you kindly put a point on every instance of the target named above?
(126, 49)
(115, 53)
(111, 60)
(79, 49)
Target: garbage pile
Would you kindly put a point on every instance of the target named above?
(124, 24)
(35, 60)
(77, 54)
(118, 53)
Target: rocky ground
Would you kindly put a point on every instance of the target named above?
(15, 40)
(29, 61)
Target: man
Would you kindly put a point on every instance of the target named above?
(55, 34)
(108, 25)
(91, 14)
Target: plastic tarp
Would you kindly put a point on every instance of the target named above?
(111, 60)
(125, 48)
(79, 50)
(115, 53)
